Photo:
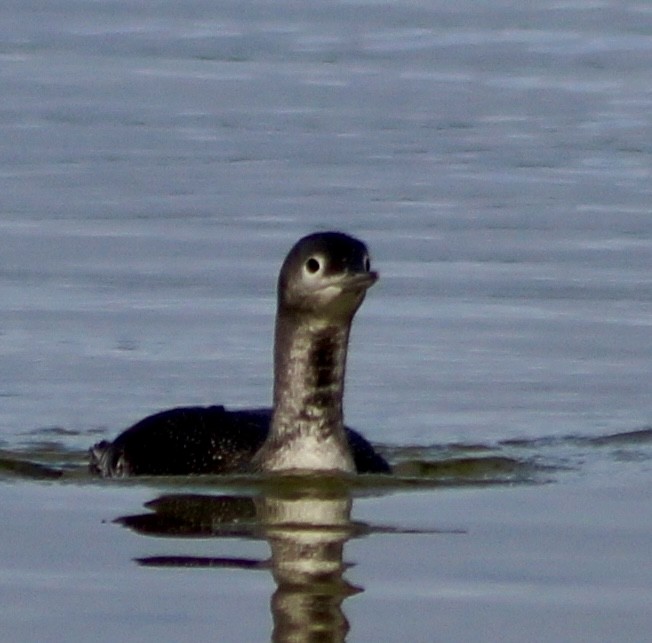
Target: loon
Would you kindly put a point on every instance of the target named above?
(322, 283)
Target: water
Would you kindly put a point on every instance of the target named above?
(156, 163)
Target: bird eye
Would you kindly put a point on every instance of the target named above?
(367, 264)
(313, 265)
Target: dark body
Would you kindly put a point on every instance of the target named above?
(203, 440)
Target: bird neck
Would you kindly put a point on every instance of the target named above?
(307, 430)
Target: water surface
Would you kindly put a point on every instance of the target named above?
(157, 162)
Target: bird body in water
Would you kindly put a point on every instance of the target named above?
(322, 283)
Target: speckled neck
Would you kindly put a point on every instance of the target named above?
(307, 430)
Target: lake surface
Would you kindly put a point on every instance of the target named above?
(157, 161)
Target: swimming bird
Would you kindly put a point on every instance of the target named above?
(322, 283)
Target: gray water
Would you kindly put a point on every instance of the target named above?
(156, 163)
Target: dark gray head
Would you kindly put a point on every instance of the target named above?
(325, 274)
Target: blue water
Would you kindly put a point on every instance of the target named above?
(156, 163)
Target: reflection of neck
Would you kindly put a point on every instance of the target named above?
(307, 429)
(306, 537)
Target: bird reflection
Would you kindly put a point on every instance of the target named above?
(306, 526)
(306, 535)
